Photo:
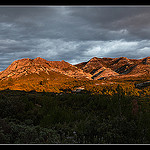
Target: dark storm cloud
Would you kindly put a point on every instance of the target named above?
(73, 34)
(107, 19)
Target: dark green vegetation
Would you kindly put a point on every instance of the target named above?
(32, 117)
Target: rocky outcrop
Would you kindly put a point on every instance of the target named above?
(104, 73)
(92, 66)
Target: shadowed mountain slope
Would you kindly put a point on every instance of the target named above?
(115, 66)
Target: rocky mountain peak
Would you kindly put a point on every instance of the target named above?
(26, 66)
(39, 60)
(95, 68)
(63, 61)
(94, 59)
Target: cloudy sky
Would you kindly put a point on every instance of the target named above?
(73, 33)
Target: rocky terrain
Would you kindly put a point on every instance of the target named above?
(120, 67)
(42, 75)
(28, 66)
(94, 69)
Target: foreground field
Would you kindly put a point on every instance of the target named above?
(75, 118)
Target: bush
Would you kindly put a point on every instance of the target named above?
(24, 134)
(31, 117)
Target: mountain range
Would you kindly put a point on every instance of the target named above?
(27, 66)
(37, 70)
(106, 67)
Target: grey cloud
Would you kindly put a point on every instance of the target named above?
(133, 19)
(77, 23)
(73, 34)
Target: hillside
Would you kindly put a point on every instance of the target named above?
(103, 73)
(116, 66)
(40, 75)
(56, 76)
(28, 66)
(102, 101)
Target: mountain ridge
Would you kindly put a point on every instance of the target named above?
(89, 69)
(39, 74)
(121, 65)
(27, 66)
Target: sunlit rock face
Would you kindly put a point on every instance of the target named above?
(28, 66)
